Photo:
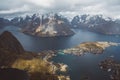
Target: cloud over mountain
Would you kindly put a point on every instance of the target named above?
(71, 7)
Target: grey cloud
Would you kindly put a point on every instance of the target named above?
(10, 4)
(107, 7)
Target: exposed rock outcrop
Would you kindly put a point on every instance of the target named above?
(48, 26)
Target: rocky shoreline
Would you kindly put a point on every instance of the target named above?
(37, 66)
(40, 66)
(47, 35)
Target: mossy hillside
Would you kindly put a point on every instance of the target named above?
(34, 65)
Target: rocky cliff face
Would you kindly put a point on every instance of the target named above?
(47, 26)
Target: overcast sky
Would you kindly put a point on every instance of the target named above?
(66, 7)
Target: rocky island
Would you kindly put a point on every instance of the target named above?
(90, 47)
(14, 60)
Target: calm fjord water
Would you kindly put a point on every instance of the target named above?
(79, 66)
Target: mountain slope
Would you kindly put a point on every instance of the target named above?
(9, 43)
(10, 47)
(48, 26)
(14, 60)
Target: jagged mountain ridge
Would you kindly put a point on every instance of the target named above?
(44, 25)
(47, 25)
(96, 23)
(58, 25)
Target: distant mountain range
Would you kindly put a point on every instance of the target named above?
(4, 22)
(96, 23)
(57, 25)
